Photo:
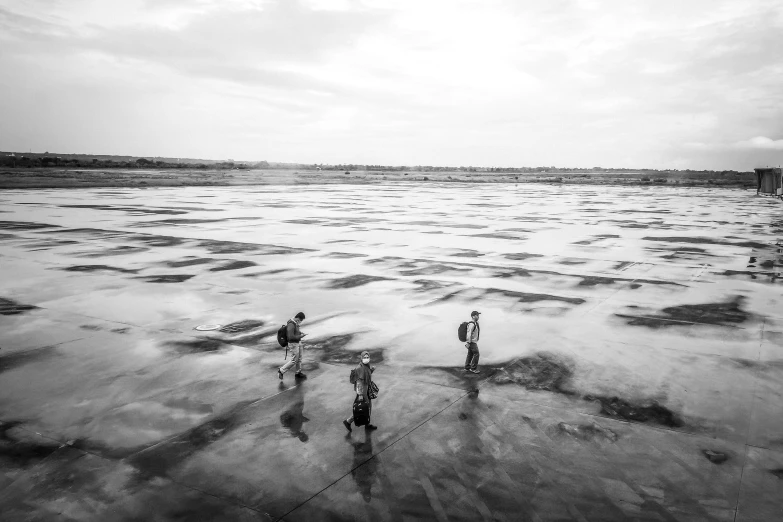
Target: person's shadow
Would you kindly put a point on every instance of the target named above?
(293, 418)
(363, 470)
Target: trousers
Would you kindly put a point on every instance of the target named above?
(471, 361)
(296, 358)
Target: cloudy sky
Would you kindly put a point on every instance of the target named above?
(572, 83)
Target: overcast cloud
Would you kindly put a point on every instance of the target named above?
(579, 83)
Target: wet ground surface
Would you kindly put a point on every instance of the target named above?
(631, 353)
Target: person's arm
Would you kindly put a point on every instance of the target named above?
(469, 334)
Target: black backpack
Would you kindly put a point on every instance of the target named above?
(282, 336)
(462, 331)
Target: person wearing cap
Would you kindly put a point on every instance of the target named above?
(471, 338)
(294, 336)
(362, 389)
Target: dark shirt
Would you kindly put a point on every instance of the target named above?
(292, 332)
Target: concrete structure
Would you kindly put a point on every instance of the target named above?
(770, 181)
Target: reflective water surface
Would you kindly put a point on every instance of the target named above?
(631, 353)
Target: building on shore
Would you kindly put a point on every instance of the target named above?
(770, 181)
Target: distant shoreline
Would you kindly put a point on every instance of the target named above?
(47, 178)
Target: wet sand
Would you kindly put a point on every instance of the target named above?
(631, 353)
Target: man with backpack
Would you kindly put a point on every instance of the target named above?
(294, 337)
(471, 338)
(361, 378)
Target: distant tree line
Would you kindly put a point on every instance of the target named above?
(25, 161)
(36, 160)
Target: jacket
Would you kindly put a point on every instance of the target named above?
(363, 380)
(474, 331)
(292, 331)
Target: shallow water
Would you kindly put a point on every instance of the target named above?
(659, 306)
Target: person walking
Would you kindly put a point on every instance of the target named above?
(471, 340)
(294, 336)
(363, 388)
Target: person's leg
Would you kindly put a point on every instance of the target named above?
(299, 359)
(468, 357)
(474, 362)
(295, 355)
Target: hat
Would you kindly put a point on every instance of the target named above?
(365, 353)
(475, 313)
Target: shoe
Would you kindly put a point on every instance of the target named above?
(474, 371)
(466, 369)
(279, 375)
(347, 425)
(300, 375)
(370, 427)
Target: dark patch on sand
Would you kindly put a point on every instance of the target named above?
(497, 235)
(648, 412)
(120, 330)
(11, 307)
(777, 472)
(524, 297)
(130, 210)
(193, 346)
(228, 247)
(242, 326)
(99, 268)
(715, 457)
(233, 247)
(542, 371)
(353, 281)
(166, 278)
(420, 268)
(521, 256)
(719, 314)
(467, 253)
(17, 359)
(586, 432)
(595, 239)
(158, 241)
(24, 225)
(16, 452)
(572, 262)
(233, 265)
(177, 221)
(426, 285)
(159, 459)
(446, 225)
(333, 350)
(304, 221)
(595, 280)
(708, 241)
(623, 264)
(343, 255)
(116, 251)
(6, 237)
(189, 262)
(91, 327)
(385, 259)
(266, 273)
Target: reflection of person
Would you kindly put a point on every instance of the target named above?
(364, 466)
(471, 338)
(362, 389)
(294, 336)
(294, 419)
